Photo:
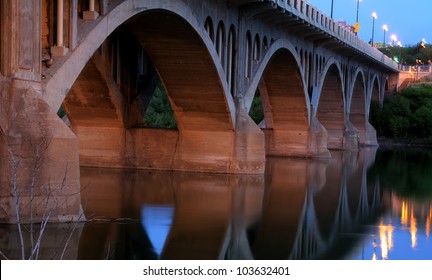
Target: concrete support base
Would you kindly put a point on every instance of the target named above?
(249, 146)
(241, 151)
(90, 15)
(370, 136)
(318, 140)
(350, 137)
(311, 143)
(59, 51)
(41, 171)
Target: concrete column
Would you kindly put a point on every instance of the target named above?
(91, 14)
(41, 153)
(351, 138)
(60, 49)
(21, 28)
(318, 139)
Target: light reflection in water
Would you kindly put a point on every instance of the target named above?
(428, 222)
(393, 243)
(386, 239)
(413, 230)
(157, 220)
(404, 213)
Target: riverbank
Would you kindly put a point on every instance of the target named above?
(415, 143)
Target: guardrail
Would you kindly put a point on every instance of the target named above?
(414, 68)
(312, 15)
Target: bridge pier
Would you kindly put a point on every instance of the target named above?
(370, 136)
(40, 167)
(351, 137)
(311, 143)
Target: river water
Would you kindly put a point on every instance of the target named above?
(367, 204)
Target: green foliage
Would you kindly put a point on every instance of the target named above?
(404, 115)
(409, 55)
(159, 113)
(61, 112)
(256, 111)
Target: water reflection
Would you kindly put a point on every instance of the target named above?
(349, 207)
(297, 210)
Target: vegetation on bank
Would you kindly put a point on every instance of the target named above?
(409, 55)
(256, 111)
(405, 115)
(406, 171)
(159, 113)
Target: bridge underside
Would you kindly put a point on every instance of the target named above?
(331, 109)
(205, 140)
(286, 113)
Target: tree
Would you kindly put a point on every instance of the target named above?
(31, 231)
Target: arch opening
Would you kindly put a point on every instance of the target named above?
(209, 28)
(152, 51)
(358, 108)
(220, 43)
(375, 106)
(248, 56)
(284, 110)
(186, 69)
(231, 58)
(330, 111)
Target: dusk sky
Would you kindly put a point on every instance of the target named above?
(411, 20)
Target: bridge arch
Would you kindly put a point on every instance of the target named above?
(375, 88)
(357, 110)
(274, 48)
(58, 86)
(191, 70)
(281, 84)
(330, 103)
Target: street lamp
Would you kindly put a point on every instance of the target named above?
(331, 13)
(385, 28)
(400, 61)
(374, 17)
(393, 37)
(357, 16)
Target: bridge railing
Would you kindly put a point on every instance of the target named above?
(414, 68)
(303, 10)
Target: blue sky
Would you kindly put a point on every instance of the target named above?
(411, 20)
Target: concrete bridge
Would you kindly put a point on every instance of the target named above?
(315, 78)
(412, 73)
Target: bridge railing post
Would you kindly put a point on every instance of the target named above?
(91, 14)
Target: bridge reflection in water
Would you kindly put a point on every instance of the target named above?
(297, 210)
(300, 209)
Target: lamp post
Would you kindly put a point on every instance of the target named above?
(400, 54)
(385, 28)
(393, 37)
(374, 17)
(331, 13)
(357, 15)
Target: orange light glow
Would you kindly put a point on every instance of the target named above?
(413, 230)
(404, 213)
(386, 239)
(428, 223)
